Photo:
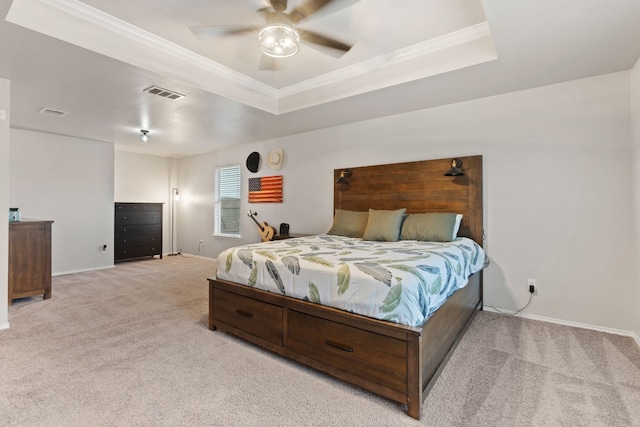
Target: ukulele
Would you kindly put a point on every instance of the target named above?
(266, 231)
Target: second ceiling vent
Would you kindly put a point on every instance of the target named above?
(165, 93)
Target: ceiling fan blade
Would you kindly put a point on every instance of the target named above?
(312, 6)
(222, 30)
(321, 40)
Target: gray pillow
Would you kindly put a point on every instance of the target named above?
(432, 227)
(384, 225)
(349, 223)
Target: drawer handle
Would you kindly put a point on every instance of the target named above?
(245, 314)
(339, 346)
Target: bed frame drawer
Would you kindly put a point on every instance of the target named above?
(366, 354)
(254, 317)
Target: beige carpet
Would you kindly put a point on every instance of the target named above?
(129, 346)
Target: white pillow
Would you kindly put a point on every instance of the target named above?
(456, 227)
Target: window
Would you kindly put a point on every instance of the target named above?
(227, 210)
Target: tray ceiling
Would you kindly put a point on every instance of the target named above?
(394, 43)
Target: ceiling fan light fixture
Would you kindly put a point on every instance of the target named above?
(279, 40)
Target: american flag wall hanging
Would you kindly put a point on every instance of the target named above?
(265, 189)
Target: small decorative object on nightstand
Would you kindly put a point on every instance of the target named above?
(14, 214)
(284, 228)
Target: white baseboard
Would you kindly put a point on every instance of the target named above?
(4, 326)
(82, 270)
(186, 255)
(570, 323)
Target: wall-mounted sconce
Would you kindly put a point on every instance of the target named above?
(344, 176)
(456, 168)
(144, 135)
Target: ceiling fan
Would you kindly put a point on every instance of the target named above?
(280, 37)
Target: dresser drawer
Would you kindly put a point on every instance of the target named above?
(128, 230)
(254, 317)
(123, 241)
(138, 207)
(366, 354)
(127, 218)
(121, 253)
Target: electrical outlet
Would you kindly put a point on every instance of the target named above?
(201, 244)
(532, 285)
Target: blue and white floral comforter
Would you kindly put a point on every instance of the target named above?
(403, 282)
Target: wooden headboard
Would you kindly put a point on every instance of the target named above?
(419, 187)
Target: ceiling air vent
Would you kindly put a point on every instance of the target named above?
(52, 112)
(165, 93)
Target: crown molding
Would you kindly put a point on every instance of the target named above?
(85, 26)
(108, 22)
(80, 24)
(418, 50)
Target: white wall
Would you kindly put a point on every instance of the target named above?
(558, 190)
(70, 181)
(143, 178)
(4, 203)
(635, 118)
(308, 199)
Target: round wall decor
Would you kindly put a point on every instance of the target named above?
(253, 161)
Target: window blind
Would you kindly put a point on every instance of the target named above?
(228, 200)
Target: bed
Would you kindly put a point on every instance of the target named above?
(387, 351)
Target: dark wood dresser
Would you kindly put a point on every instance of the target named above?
(138, 230)
(29, 259)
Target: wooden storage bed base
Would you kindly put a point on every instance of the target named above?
(405, 366)
(397, 361)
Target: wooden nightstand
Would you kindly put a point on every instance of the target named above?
(289, 236)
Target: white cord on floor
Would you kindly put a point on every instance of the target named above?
(513, 314)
